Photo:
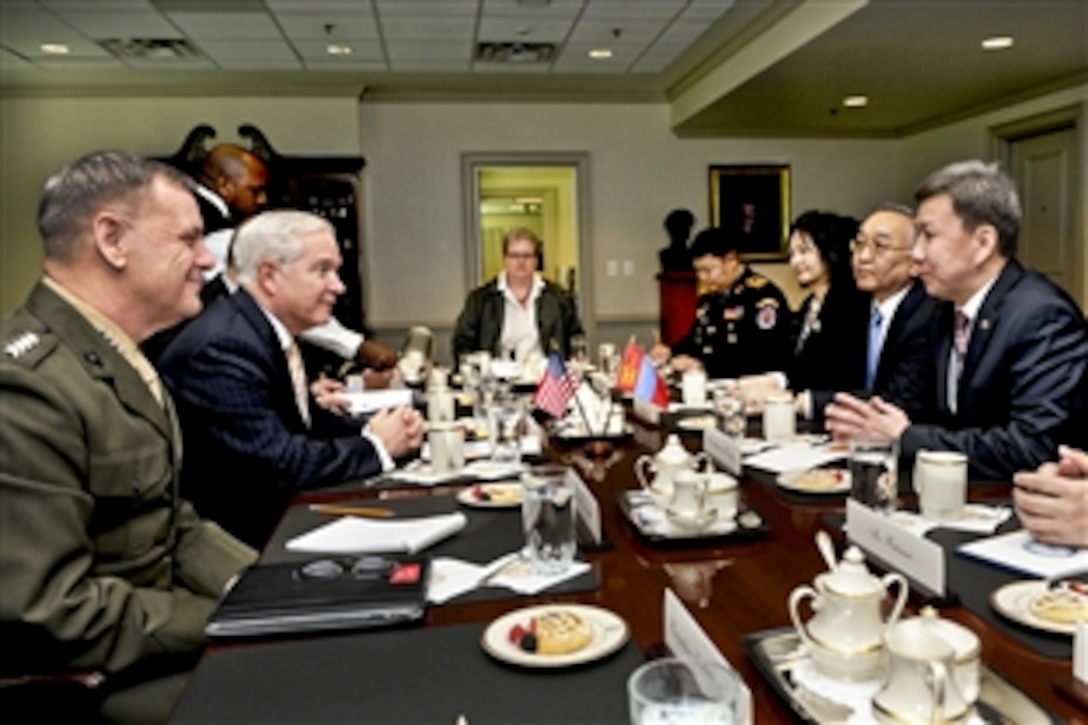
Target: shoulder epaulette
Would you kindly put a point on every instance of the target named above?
(28, 347)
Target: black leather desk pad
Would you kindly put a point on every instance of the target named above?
(489, 534)
(973, 581)
(431, 675)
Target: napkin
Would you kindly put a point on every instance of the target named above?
(794, 456)
(355, 535)
(976, 518)
(451, 578)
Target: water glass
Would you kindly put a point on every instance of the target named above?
(548, 519)
(729, 407)
(504, 421)
(671, 690)
(579, 349)
(608, 359)
(873, 474)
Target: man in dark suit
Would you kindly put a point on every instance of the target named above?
(253, 431)
(1009, 348)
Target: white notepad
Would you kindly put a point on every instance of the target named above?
(355, 535)
(374, 400)
(1018, 551)
(794, 458)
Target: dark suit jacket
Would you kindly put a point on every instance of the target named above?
(904, 372)
(1022, 390)
(247, 447)
(832, 356)
(479, 326)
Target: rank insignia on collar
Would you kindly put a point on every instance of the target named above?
(21, 345)
(756, 282)
(766, 317)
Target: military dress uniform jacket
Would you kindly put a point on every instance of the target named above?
(101, 563)
(479, 326)
(742, 331)
(1022, 389)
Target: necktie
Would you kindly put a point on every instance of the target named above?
(298, 382)
(875, 319)
(961, 336)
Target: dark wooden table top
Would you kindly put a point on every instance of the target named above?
(732, 587)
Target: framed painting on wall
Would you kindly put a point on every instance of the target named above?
(753, 204)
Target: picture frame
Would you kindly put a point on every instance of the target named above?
(753, 201)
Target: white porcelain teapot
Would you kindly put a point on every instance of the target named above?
(846, 632)
(920, 684)
(658, 473)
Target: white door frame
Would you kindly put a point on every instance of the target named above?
(470, 195)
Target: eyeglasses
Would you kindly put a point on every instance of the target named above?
(520, 255)
(877, 246)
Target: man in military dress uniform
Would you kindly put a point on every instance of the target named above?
(102, 566)
(742, 324)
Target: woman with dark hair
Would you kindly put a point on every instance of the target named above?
(830, 346)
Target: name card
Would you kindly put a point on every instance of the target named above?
(921, 561)
(688, 641)
(585, 505)
(725, 451)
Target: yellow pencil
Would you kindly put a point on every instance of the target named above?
(363, 511)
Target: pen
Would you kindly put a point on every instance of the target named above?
(363, 511)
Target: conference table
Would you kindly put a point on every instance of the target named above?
(733, 586)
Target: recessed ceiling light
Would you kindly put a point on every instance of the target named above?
(55, 48)
(997, 42)
(600, 53)
(334, 49)
(856, 101)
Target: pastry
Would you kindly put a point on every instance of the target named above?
(819, 479)
(561, 632)
(1063, 605)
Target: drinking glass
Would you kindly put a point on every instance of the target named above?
(505, 415)
(873, 474)
(548, 519)
(729, 407)
(671, 690)
(579, 349)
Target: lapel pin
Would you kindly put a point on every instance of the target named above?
(984, 324)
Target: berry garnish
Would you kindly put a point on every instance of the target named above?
(480, 493)
(528, 642)
(517, 632)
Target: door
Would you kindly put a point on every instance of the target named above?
(1044, 168)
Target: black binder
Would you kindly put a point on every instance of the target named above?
(323, 594)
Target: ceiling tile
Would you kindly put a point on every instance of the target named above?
(426, 8)
(199, 26)
(102, 24)
(117, 5)
(497, 29)
(706, 9)
(424, 28)
(361, 51)
(10, 61)
(430, 66)
(241, 50)
(555, 10)
(407, 50)
(316, 25)
(604, 31)
(684, 31)
(179, 64)
(34, 25)
(629, 9)
(576, 56)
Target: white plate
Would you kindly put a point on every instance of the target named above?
(796, 481)
(515, 491)
(697, 422)
(610, 632)
(1014, 601)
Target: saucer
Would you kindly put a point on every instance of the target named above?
(687, 521)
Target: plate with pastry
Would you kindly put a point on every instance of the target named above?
(697, 422)
(555, 635)
(1033, 604)
(492, 495)
(816, 480)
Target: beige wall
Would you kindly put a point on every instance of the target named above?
(638, 172)
(971, 138)
(38, 135)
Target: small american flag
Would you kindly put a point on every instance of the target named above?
(556, 388)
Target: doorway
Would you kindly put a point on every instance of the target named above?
(1042, 158)
(545, 193)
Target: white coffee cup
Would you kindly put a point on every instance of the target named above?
(693, 387)
(779, 418)
(440, 405)
(447, 447)
(940, 480)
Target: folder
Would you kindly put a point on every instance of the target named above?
(323, 594)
